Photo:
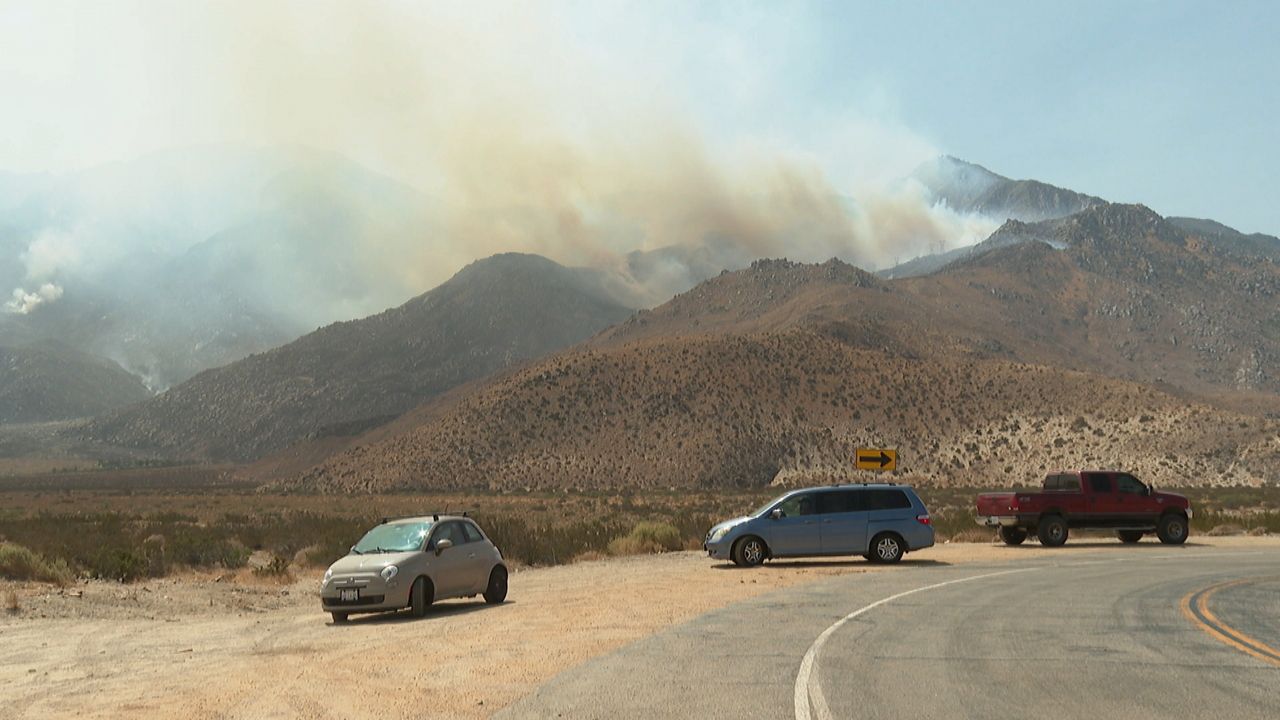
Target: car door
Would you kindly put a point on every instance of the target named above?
(1102, 499)
(478, 560)
(450, 565)
(842, 518)
(1135, 505)
(796, 531)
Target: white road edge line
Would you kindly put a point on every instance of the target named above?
(807, 686)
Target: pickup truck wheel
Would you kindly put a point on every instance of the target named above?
(1130, 536)
(1013, 535)
(886, 548)
(1052, 531)
(749, 551)
(1172, 529)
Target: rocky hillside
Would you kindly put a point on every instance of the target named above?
(749, 410)
(46, 381)
(494, 314)
(1110, 337)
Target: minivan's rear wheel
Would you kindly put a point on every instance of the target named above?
(1013, 535)
(886, 548)
(1172, 529)
(339, 617)
(1052, 531)
(1129, 537)
(749, 552)
(496, 591)
(420, 596)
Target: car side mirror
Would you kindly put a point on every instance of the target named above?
(777, 514)
(443, 544)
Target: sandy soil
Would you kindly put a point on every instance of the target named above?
(236, 647)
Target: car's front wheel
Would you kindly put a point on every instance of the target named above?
(1172, 529)
(496, 591)
(420, 596)
(749, 551)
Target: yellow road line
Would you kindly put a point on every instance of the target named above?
(1195, 607)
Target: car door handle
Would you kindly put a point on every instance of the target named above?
(826, 522)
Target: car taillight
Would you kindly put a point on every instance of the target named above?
(924, 520)
(1013, 504)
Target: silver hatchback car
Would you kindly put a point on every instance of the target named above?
(412, 562)
(881, 522)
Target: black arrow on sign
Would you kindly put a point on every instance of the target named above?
(883, 459)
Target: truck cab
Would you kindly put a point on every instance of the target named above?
(1105, 499)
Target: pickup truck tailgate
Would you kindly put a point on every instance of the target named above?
(996, 503)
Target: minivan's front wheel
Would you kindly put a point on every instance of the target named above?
(749, 552)
(886, 548)
(496, 591)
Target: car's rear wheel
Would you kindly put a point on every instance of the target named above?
(420, 596)
(1172, 529)
(1052, 531)
(1013, 535)
(886, 548)
(339, 617)
(1130, 537)
(749, 551)
(496, 591)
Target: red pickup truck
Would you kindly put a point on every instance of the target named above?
(1087, 499)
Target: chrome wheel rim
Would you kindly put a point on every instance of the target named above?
(1055, 532)
(887, 549)
(752, 552)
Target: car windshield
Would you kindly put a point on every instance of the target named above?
(765, 507)
(394, 537)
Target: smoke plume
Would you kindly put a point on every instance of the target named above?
(23, 302)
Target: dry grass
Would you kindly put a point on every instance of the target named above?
(11, 602)
(20, 563)
(973, 535)
(648, 538)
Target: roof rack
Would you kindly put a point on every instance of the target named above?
(435, 515)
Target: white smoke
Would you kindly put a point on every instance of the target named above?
(23, 302)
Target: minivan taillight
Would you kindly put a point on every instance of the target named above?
(924, 520)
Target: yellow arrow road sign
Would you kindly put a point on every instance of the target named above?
(876, 459)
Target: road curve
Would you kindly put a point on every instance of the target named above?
(1104, 633)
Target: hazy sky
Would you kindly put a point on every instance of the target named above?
(1173, 104)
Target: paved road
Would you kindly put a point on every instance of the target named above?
(1133, 632)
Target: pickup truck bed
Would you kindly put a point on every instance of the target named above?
(1086, 499)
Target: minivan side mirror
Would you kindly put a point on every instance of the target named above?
(443, 544)
(776, 514)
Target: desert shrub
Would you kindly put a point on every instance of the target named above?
(20, 563)
(1229, 529)
(972, 535)
(277, 567)
(647, 538)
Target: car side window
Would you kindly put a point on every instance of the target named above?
(447, 530)
(888, 500)
(1130, 484)
(471, 532)
(1099, 483)
(798, 505)
(836, 501)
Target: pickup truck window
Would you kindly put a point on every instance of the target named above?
(1130, 484)
(1099, 483)
(1062, 483)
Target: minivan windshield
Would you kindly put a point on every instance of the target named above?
(765, 507)
(396, 537)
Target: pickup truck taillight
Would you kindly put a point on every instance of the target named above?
(1013, 504)
(924, 520)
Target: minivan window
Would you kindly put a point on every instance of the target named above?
(887, 500)
(797, 505)
(840, 501)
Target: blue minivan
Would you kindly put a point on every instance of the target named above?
(881, 522)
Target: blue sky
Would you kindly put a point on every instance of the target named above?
(1173, 104)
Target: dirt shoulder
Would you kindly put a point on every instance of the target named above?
(236, 646)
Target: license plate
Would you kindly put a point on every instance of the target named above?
(349, 594)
